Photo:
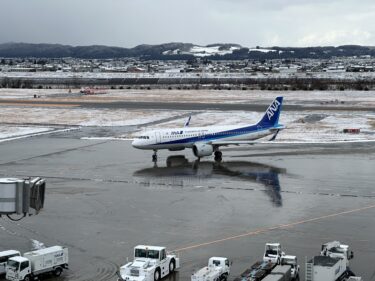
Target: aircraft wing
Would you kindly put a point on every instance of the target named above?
(225, 143)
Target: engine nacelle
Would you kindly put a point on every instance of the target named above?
(202, 149)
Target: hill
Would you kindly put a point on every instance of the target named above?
(180, 51)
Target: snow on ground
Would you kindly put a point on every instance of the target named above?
(305, 126)
(301, 125)
(200, 51)
(37, 245)
(262, 50)
(29, 93)
(7, 131)
(79, 116)
(329, 128)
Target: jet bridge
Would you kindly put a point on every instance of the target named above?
(21, 197)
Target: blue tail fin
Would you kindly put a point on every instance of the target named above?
(272, 114)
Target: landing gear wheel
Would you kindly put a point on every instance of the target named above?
(224, 277)
(157, 275)
(155, 157)
(172, 266)
(57, 272)
(218, 156)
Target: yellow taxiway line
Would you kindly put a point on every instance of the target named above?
(268, 229)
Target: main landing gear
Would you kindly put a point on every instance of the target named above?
(155, 156)
(218, 156)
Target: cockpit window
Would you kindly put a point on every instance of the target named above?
(143, 137)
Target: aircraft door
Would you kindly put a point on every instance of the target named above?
(157, 137)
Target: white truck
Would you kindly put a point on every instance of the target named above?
(218, 269)
(293, 263)
(273, 253)
(4, 256)
(151, 263)
(331, 265)
(32, 264)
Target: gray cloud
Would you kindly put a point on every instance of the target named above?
(131, 22)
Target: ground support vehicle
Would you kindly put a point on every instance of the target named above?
(273, 253)
(294, 267)
(4, 256)
(151, 263)
(331, 265)
(218, 269)
(33, 264)
(275, 266)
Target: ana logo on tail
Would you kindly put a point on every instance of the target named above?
(272, 109)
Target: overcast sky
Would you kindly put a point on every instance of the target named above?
(128, 23)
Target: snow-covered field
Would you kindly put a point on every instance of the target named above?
(18, 121)
(301, 125)
(79, 116)
(7, 131)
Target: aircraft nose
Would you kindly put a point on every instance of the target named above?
(135, 143)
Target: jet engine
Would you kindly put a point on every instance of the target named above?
(202, 149)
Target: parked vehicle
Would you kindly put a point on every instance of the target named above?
(32, 264)
(4, 256)
(218, 269)
(331, 265)
(151, 263)
(275, 266)
(273, 253)
(294, 267)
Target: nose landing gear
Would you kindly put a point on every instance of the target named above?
(155, 156)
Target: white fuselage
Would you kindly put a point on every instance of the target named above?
(186, 137)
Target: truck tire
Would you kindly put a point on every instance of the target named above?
(27, 278)
(172, 266)
(57, 272)
(157, 274)
(224, 277)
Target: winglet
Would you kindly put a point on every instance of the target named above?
(187, 122)
(272, 114)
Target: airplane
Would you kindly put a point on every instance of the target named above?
(205, 141)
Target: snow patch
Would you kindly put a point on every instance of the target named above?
(262, 50)
(37, 245)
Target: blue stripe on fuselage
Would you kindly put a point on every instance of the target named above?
(219, 135)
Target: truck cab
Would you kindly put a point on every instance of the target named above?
(273, 253)
(18, 268)
(292, 261)
(4, 257)
(335, 249)
(151, 263)
(218, 269)
(219, 262)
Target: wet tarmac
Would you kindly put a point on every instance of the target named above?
(104, 197)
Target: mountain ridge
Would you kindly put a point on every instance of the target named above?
(180, 51)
